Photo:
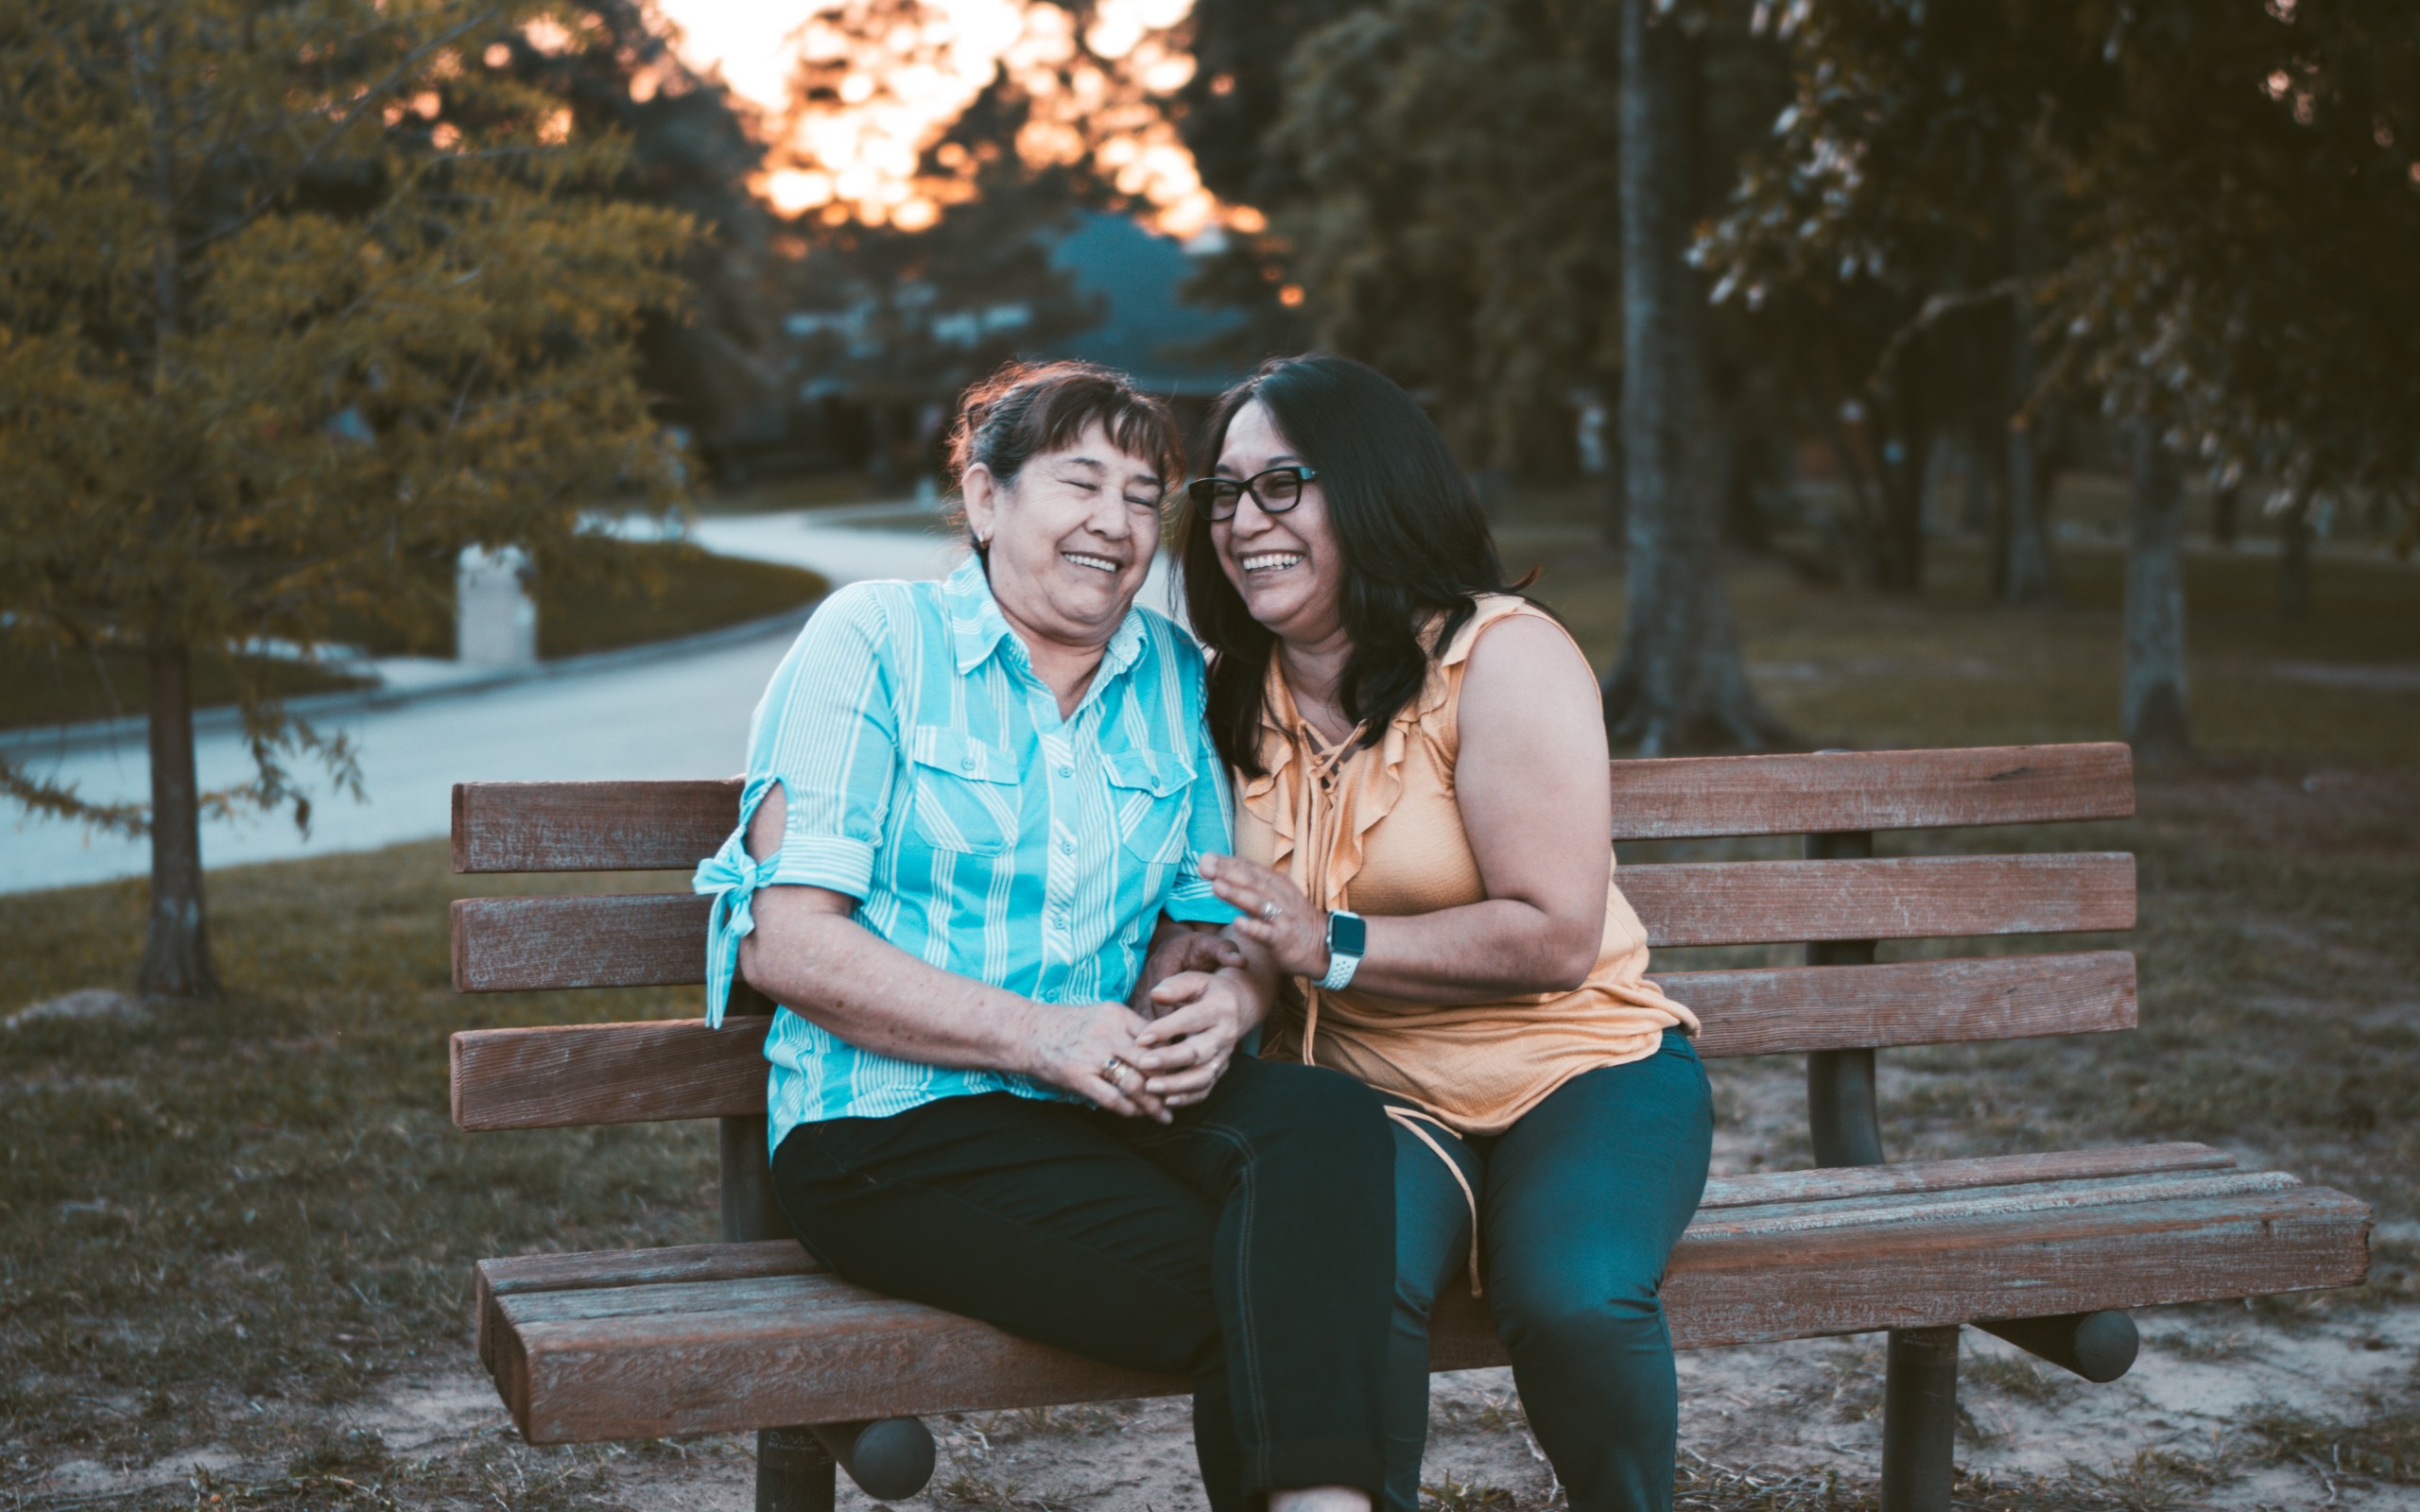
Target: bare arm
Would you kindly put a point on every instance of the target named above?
(1531, 782)
(808, 954)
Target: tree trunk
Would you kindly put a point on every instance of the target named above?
(1617, 518)
(1941, 472)
(1900, 562)
(883, 471)
(2154, 685)
(1747, 463)
(2294, 559)
(2028, 573)
(1679, 683)
(1977, 485)
(176, 944)
(176, 941)
(2223, 502)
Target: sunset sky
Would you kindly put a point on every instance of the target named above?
(900, 93)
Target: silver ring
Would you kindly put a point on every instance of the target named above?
(1268, 913)
(1114, 1068)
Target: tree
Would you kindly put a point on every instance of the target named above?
(1679, 683)
(714, 366)
(2226, 276)
(1444, 185)
(1894, 230)
(2152, 700)
(292, 295)
(1445, 182)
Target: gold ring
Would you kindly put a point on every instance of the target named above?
(1110, 1072)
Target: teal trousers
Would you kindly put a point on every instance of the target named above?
(1581, 1202)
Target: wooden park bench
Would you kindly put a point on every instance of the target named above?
(2045, 1249)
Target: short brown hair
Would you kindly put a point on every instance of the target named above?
(1026, 409)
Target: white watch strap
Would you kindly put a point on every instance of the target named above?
(1340, 968)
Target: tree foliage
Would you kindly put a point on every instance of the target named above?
(292, 295)
(714, 366)
(1456, 219)
(2232, 194)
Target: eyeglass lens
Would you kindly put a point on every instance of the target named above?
(1277, 491)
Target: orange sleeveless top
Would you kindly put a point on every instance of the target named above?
(1379, 831)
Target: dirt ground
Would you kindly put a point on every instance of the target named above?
(2229, 1407)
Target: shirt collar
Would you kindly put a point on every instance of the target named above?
(978, 626)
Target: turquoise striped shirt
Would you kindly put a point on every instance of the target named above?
(929, 776)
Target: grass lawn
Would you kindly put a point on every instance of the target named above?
(622, 594)
(69, 687)
(222, 1226)
(639, 592)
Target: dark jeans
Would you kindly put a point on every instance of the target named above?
(1582, 1200)
(1248, 1245)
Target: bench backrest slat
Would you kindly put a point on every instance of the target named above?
(649, 939)
(626, 1073)
(662, 825)
(575, 1075)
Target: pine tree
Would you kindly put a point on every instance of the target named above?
(293, 296)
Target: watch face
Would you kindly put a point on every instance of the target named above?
(1347, 935)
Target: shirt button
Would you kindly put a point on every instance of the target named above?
(966, 763)
(1066, 847)
(1066, 771)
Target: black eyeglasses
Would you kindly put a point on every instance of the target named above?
(1276, 491)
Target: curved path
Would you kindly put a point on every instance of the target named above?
(674, 713)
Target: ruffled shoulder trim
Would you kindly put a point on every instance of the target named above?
(1491, 608)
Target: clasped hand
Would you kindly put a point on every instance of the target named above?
(1169, 1055)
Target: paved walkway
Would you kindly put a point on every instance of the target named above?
(678, 714)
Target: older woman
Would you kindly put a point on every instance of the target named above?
(1423, 844)
(972, 807)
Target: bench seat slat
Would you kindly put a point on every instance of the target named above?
(626, 1361)
(523, 1274)
(663, 825)
(657, 939)
(1984, 1202)
(1828, 1184)
(568, 1075)
(580, 1270)
(740, 1294)
(1765, 1191)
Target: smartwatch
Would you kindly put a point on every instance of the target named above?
(1348, 939)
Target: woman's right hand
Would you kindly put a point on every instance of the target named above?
(1072, 1047)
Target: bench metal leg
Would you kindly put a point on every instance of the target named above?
(1841, 1118)
(891, 1459)
(1920, 1420)
(793, 1473)
(2100, 1347)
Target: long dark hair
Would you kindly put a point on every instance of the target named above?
(1414, 540)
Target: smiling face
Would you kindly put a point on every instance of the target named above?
(1287, 567)
(1071, 537)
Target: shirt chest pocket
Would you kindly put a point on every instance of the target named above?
(1151, 798)
(965, 793)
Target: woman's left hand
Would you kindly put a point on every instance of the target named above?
(1185, 1050)
(1276, 916)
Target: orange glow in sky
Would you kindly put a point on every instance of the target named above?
(899, 93)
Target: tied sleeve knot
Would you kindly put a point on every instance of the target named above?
(732, 876)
